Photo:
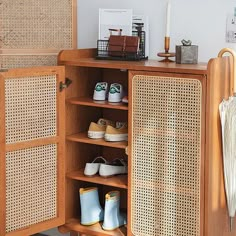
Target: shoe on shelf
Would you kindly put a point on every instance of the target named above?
(113, 218)
(117, 133)
(116, 167)
(100, 91)
(97, 130)
(91, 210)
(115, 93)
(125, 99)
(93, 167)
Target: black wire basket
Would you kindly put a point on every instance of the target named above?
(102, 50)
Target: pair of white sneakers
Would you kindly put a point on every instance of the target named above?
(101, 93)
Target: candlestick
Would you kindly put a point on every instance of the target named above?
(168, 19)
(166, 54)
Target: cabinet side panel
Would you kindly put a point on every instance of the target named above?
(166, 156)
(216, 212)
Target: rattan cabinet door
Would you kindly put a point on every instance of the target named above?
(33, 32)
(32, 134)
(166, 169)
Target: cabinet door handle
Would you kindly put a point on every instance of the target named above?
(65, 85)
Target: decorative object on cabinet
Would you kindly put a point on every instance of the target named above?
(166, 54)
(123, 45)
(114, 20)
(141, 23)
(227, 110)
(186, 53)
(124, 48)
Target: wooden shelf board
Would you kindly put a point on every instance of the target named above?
(83, 138)
(87, 101)
(93, 230)
(120, 181)
(143, 65)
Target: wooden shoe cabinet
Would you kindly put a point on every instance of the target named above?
(174, 184)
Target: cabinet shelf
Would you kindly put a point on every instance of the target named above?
(87, 101)
(83, 138)
(119, 181)
(93, 230)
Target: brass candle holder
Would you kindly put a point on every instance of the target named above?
(166, 54)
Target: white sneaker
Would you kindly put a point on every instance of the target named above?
(93, 167)
(116, 167)
(100, 91)
(115, 93)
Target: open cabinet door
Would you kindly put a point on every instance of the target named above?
(32, 143)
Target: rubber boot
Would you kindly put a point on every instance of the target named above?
(112, 216)
(91, 210)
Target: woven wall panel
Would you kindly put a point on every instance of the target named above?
(31, 186)
(31, 109)
(18, 61)
(27, 24)
(166, 156)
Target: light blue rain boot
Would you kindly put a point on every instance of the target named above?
(91, 210)
(112, 216)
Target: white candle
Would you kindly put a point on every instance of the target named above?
(168, 20)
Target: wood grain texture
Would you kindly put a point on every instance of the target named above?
(119, 181)
(216, 214)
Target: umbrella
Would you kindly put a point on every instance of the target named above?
(227, 110)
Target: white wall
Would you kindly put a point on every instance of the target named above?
(202, 21)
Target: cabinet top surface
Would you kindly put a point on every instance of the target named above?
(145, 65)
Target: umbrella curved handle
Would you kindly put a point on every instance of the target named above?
(232, 84)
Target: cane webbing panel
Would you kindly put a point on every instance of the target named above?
(31, 186)
(166, 143)
(30, 108)
(18, 61)
(44, 24)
